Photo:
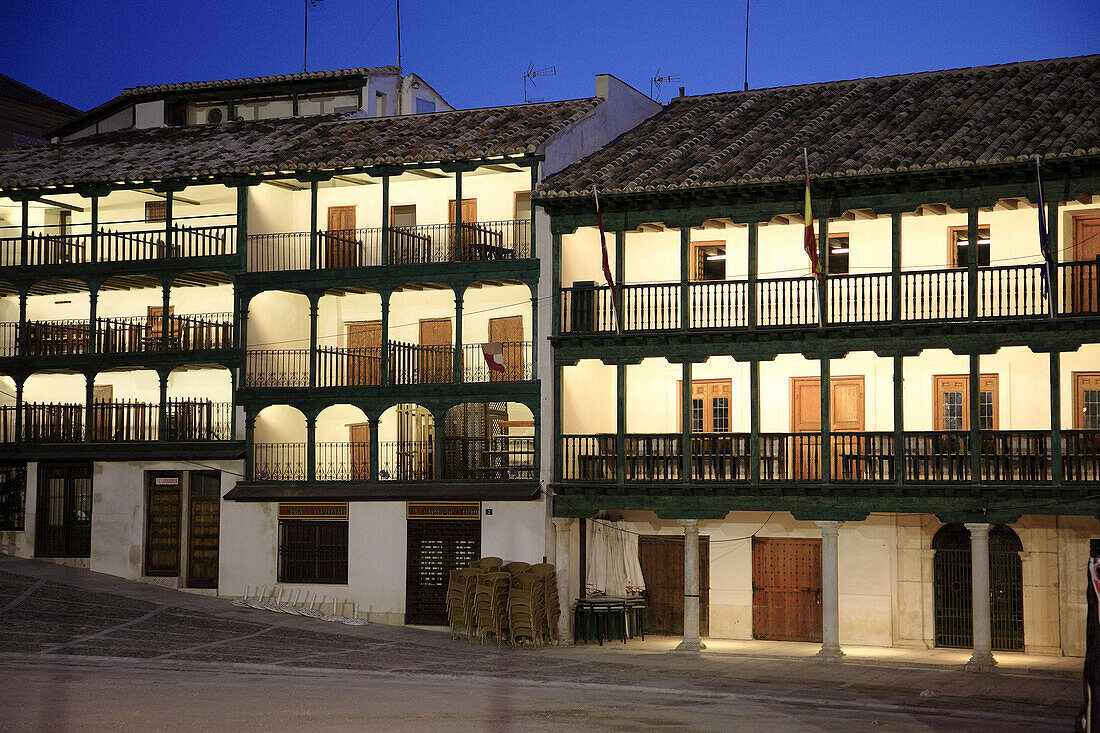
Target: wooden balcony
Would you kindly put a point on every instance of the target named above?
(1003, 293)
(372, 247)
(117, 422)
(362, 367)
(114, 245)
(928, 457)
(119, 335)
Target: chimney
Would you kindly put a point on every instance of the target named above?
(681, 91)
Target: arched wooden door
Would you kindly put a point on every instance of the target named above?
(952, 588)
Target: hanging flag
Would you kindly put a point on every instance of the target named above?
(606, 264)
(1044, 240)
(810, 241)
(494, 356)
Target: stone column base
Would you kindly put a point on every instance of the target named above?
(980, 662)
(690, 645)
(829, 652)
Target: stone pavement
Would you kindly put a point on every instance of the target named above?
(51, 615)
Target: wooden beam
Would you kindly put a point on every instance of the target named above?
(651, 227)
(717, 224)
(284, 184)
(1084, 198)
(60, 205)
(425, 174)
(175, 196)
(356, 181)
(503, 168)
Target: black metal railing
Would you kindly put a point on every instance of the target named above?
(417, 364)
(405, 460)
(9, 339)
(1004, 292)
(489, 459)
(516, 359)
(186, 332)
(343, 461)
(57, 338)
(278, 462)
(343, 367)
(276, 368)
(198, 420)
(278, 252)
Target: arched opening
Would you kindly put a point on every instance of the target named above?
(343, 444)
(278, 340)
(489, 441)
(200, 311)
(279, 444)
(952, 588)
(57, 317)
(200, 403)
(497, 312)
(406, 443)
(125, 405)
(349, 338)
(53, 407)
(9, 319)
(422, 334)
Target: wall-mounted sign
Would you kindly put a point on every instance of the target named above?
(166, 481)
(314, 510)
(444, 510)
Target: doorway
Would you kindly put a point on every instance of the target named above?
(1084, 284)
(435, 548)
(203, 529)
(182, 526)
(436, 363)
(63, 516)
(341, 245)
(847, 398)
(364, 340)
(662, 561)
(359, 439)
(786, 589)
(508, 332)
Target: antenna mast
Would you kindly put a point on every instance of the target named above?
(746, 45)
(305, 33)
(656, 81)
(398, 36)
(531, 73)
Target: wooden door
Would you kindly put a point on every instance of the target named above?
(203, 528)
(435, 548)
(364, 339)
(415, 442)
(359, 437)
(1086, 400)
(469, 222)
(1085, 283)
(662, 561)
(786, 589)
(162, 524)
(436, 363)
(341, 244)
(102, 419)
(847, 414)
(952, 407)
(508, 332)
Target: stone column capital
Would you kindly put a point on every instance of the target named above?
(829, 526)
(978, 529)
(689, 524)
(562, 523)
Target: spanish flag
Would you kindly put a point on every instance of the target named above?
(810, 242)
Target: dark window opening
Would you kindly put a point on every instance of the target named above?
(156, 211)
(960, 247)
(710, 262)
(313, 551)
(13, 497)
(838, 255)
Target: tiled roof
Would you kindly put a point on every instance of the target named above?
(298, 144)
(943, 119)
(191, 86)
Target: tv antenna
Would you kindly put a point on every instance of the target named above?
(531, 73)
(305, 32)
(657, 80)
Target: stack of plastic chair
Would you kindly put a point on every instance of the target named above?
(491, 605)
(460, 591)
(487, 564)
(549, 574)
(526, 609)
(516, 567)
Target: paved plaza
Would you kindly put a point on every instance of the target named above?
(83, 651)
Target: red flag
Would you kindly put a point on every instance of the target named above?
(810, 242)
(606, 264)
(494, 356)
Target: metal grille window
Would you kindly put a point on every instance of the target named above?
(721, 414)
(156, 211)
(313, 551)
(985, 411)
(13, 497)
(953, 411)
(696, 416)
(1090, 409)
(63, 525)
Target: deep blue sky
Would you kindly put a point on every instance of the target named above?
(84, 52)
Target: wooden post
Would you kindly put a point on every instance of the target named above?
(534, 184)
(555, 275)
(93, 237)
(313, 225)
(556, 428)
(620, 266)
(825, 450)
(1057, 473)
(620, 423)
(372, 430)
(385, 219)
(457, 243)
(457, 366)
(165, 323)
(823, 262)
(169, 240)
(384, 356)
(1052, 239)
(93, 307)
(89, 422)
(753, 274)
(972, 262)
(21, 337)
(535, 333)
(685, 422)
(24, 233)
(19, 409)
(899, 419)
(754, 422)
(685, 279)
(313, 308)
(895, 266)
(242, 226)
(975, 428)
(162, 427)
(249, 445)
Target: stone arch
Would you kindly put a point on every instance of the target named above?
(406, 443)
(343, 444)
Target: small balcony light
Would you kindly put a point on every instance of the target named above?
(716, 257)
(840, 251)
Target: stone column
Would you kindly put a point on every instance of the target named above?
(830, 592)
(562, 527)
(691, 642)
(982, 658)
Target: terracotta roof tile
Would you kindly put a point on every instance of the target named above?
(943, 119)
(300, 144)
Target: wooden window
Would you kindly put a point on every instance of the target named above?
(710, 404)
(1083, 284)
(708, 261)
(522, 211)
(952, 408)
(403, 215)
(1086, 400)
(156, 211)
(838, 254)
(313, 551)
(958, 251)
(846, 400)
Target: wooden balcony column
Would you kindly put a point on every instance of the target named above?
(89, 401)
(823, 282)
(534, 185)
(313, 224)
(534, 331)
(620, 267)
(21, 337)
(1056, 417)
(972, 268)
(437, 442)
(384, 356)
(162, 411)
(899, 419)
(249, 444)
(314, 300)
(165, 325)
(895, 266)
(93, 308)
(825, 449)
(457, 366)
(372, 430)
(242, 226)
(19, 409)
(167, 232)
(975, 415)
(385, 229)
(685, 422)
(93, 243)
(620, 422)
(311, 447)
(233, 382)
(753, 275)
(1052, 242)
(685, 280)
(555, 284)
(460, 250)
(754, 418)
(556, 371)
(24, 232)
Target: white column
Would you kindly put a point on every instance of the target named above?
(979, 573)
(691, 642)
(562, 531)
(830, 591)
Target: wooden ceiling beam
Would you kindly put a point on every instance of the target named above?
(425, 173)
(175, 197)
(284, 184)
(60, 205)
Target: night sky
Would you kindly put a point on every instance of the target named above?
(83, 52)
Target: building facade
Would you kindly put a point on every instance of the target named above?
(941, 490)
